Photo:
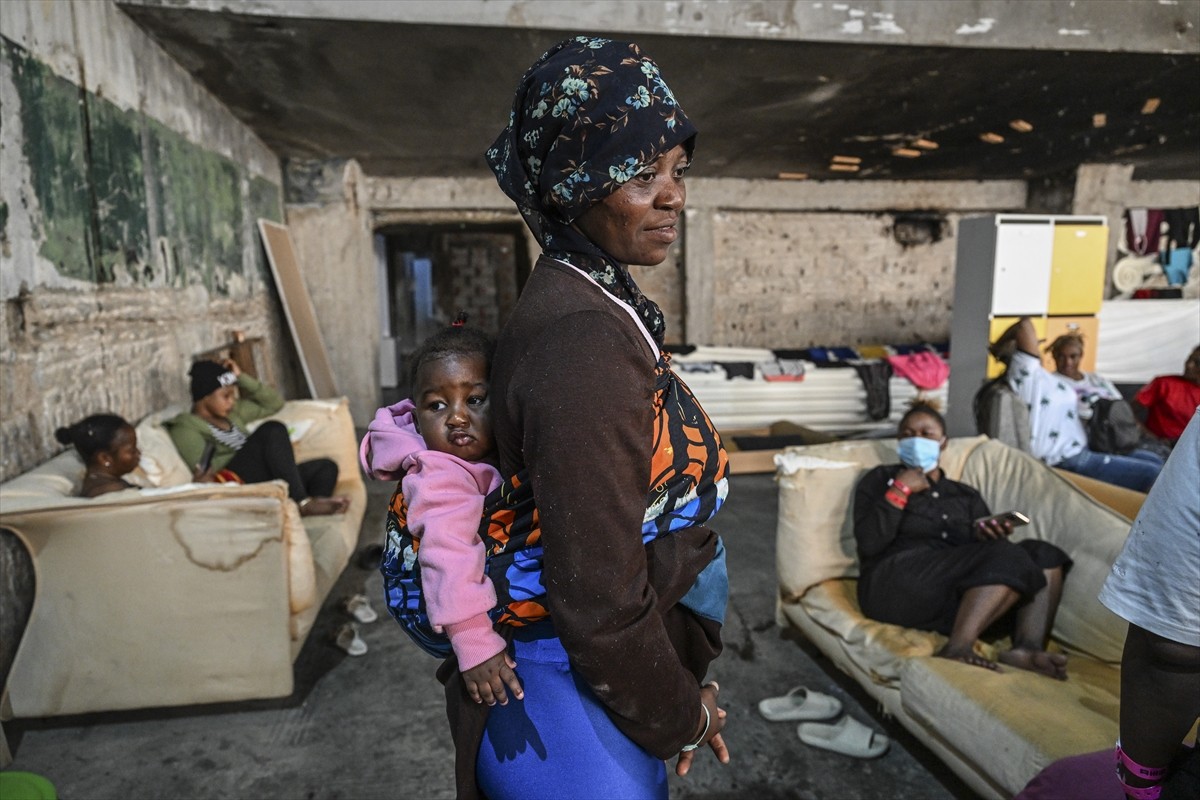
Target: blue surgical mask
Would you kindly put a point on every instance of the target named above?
(919, 452)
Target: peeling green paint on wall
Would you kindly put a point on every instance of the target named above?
(199, 208)
(54, 146)
(109, 182)
(119, 187)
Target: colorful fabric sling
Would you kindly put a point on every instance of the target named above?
(688, 485)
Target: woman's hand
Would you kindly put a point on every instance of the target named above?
(993, 528)
(913, 478)
(712, 736)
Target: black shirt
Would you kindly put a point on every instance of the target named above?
(939, 517)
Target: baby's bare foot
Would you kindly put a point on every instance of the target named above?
(965, 655)
(1052, 665)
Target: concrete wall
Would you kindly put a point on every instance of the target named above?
(799, 279)
(776, 263)
(795, 264)
(781, 263)
(331, 230)
(127, 239)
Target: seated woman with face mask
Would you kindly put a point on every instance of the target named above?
(927, 562)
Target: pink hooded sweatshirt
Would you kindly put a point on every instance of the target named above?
(444, 495)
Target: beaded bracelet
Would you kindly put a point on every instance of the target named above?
(687, 748)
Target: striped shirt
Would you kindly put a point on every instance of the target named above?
(235, 437)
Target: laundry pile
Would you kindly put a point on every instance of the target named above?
(843, 389)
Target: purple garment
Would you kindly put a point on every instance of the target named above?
(1090, 776)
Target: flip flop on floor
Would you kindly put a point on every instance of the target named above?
(847, 736)
(359, 607)
(798, 705)
(347, 639)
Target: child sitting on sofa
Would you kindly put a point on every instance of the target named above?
(439, 444)
(219, 416)
(108, 446)
(933, 559)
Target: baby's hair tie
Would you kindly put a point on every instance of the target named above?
(460, 321)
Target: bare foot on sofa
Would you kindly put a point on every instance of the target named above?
(1053, 665)
(324, 506)
(966, 655)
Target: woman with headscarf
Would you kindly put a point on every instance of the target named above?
(625, 467)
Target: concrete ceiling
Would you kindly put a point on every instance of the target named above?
(411, 99)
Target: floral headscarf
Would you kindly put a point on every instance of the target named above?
(588, 115)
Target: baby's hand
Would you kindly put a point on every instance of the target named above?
(485, 682)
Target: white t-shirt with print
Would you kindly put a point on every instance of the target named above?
(1153, 582)
(1056, 432)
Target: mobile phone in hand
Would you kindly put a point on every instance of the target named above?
(206, 457)
(1015, 517)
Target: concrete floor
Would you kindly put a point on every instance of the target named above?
(374, 726)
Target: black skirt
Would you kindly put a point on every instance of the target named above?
(922, 587)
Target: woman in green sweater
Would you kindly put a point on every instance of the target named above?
(224, 402)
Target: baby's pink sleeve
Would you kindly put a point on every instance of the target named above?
(445, 503)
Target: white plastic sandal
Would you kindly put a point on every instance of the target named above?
(847, 736)
(349, 640)
(799, 705)
(359, 607)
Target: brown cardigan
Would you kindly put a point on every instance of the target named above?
(571, 390)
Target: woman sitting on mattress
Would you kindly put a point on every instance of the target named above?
(931, 561)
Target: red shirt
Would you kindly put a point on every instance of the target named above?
(1170, 402)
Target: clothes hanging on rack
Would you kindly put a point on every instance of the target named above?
(875, 376)
(1183, 226)
(1142, 229)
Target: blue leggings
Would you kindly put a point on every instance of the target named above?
(558, 742)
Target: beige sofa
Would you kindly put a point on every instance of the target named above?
(995, 730)
(178, 593)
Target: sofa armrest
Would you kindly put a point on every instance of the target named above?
(328, 432)
(154, 598)
(1125, 502)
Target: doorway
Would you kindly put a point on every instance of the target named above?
(431, 272)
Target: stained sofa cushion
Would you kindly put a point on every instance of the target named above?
(158, 597)
(161, 464)
(1125, 502)
(810, 499)
(329, 432)
(878, 648)
(1013, 723)
(1090, 533)
(60, 478)
(317, 547)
